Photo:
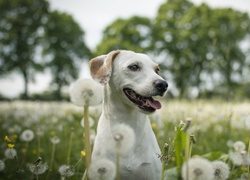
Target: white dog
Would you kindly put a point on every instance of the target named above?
(130, 79)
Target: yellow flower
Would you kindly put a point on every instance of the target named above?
(83, 153)
(153, 125)
(7, 140)
(24, 150)
(10, 145)
(52, 133)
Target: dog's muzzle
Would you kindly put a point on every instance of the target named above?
(147, 104)
(161, 86)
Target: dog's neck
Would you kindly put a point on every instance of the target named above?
(116, 111)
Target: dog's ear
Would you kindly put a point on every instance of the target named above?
(101, 67)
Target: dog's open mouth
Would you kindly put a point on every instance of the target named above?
(144, 103)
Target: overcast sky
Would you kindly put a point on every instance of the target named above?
(93, 16)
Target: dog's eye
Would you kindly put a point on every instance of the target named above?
(134, 67)
(157, 70)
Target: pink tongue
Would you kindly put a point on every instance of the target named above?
(154, 104)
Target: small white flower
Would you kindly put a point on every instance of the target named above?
(218, 128)
(38, 168)
(65, 171)
(2, 165)
(221, 170)
(102, 169)
(244, 176)
(198, 169)
(10, 153)
(239, 146)
(55, 140)
(239, 158)
(86, 92)
(123, 139)
(27, 135)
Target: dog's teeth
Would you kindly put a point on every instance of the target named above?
(133, 95)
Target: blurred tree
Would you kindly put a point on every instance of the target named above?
(229, 29)
(21, 29)
(203, 43)
(133, 33)
(64, 49)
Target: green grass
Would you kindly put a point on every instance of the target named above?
(215, 125)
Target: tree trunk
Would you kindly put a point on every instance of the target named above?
(25, 95)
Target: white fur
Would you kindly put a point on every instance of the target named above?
(142, 161)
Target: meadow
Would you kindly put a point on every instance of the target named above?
(50, 134)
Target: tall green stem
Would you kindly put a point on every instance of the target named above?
(164, 159)
(70, 146)
(248, 155)
(52, 157)
(86, 135)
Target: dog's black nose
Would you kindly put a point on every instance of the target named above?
(161, 86)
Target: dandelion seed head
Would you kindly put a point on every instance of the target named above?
(38, 168)
(239, 146)
(2, 165)
(55, 140)
(123, 139)
(27, 135)
(221, 170)
(86, 92)
(244, 176)
(10, 153)
(239, 158)
(66, 171)
(102, 169)
(198, 169)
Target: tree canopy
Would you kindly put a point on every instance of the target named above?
(64, 48)
(198, 47)
(33, 38)
(21, 26)
(133, 33)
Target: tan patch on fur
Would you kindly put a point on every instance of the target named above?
(101, 67)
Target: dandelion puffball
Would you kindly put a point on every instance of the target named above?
(239, 146)
(123, 139)
(102, 169)
(27, 135)
(86, 92)
(39, 168)
(198, 169)
(221, 170)
(10, 153)
(2, 165)
(65, 171)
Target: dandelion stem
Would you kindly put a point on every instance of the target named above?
(87, 135)
(249, 155)
(187, 153)
(25, 153)
(77, 163)
(164, 159)
(52, 157)
(39, 145)
(84, 175)
(70, 146)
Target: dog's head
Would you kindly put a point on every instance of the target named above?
(133, 76)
